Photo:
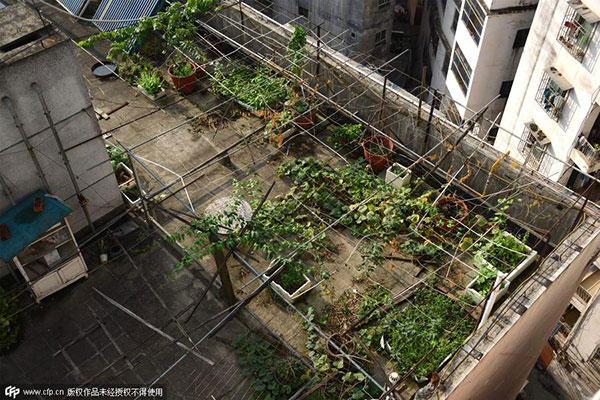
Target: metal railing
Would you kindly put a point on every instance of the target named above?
(583, 294)
(589, 150)
(575, 34)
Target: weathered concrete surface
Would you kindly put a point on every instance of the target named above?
(17, 21)
(74, 336)
(58, 74)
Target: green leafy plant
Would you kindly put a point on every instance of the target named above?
(486, 277)
(131, 70)
(182, 69)
(504, 251)
(151, 82)
(296, 50)
(9, 324)
(258, 88)
(430, 320)
(176, 25)
(271, 375)
(347, 134)
(116, 156)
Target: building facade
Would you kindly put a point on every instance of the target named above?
(472, 49)
(354, 27)
(552, 111)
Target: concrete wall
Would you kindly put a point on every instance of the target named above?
(541, 52)
(586, 333)
(500, 374)
(57, 73)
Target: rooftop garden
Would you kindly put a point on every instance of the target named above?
(352, 233)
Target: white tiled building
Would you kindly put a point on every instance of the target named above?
(554, 105)
(473, 48)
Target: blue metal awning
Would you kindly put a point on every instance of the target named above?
(73, 6)
(25, 226)
(115, 10)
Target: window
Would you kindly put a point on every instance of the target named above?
(383, 4)
(474, 18)
(303, 11)
(521, 38)
(461, 68)
(380, 38)
(455, 21)
(1, 5)
(446, 63)
(536, 154)
(492, 134)
(505, 88)
(551, 97)
(575, 34)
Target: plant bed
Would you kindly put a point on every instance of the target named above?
(478, 288)
(503, 252)
(450, 209)
(377, 151)
(291, 286)
(397, 175)
(150, 84)
(132, 196)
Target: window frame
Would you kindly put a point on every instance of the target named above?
(546, 96)
(536, 155)
(474, 13)
(574, 28)
(379, 42)
(459, 60)
(519, 41)
(455, 20)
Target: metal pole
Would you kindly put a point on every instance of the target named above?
(428, 130)
(82, 200)
(34, 158)
(139, 186)
(318, 50)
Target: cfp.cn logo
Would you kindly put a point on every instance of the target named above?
(12, 391)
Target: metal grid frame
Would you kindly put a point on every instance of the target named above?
(575, 34)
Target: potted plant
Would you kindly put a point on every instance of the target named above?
(184, 73)
(305, 114)
(292, 283)
(103, 253)
(506, 253)
(451, 212)
(377, 150)
(347, 137)
(398, 175)
(125, 177)
(479, 287)
(150, 84)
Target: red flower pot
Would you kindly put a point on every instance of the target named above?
(185, 84)
(305, 121)
(200, 71)
(459, 208)
(378, 161)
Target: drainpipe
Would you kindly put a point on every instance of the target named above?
(34, 158)
(82, 200)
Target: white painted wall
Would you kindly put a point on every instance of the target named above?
(543, 51)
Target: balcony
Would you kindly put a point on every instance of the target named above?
(586, 290)
(575, 34)
(586, 156)
(552, 94)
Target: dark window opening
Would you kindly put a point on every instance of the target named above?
(521, 38)
(505, 88)
(380, 38)
(455, 21)
(303, 11)
(551, 97)
(461, 68)
(24, 40)
(492, 134)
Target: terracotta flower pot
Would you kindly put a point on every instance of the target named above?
(447, 224)
(185, 84)
(305, 121)
(200, 71)
(378, 161)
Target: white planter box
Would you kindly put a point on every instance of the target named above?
(477, 296)
(293, 297)
(154, 97)
(522, 266)
(133, 203)
(394, 180)
(129, 183)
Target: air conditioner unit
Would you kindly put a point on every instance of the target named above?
(559, 79)
(537, 133)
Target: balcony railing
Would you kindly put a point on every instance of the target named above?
(590, 151)
(586, 155)
(583, 294)
(575, 34)
(551, 97)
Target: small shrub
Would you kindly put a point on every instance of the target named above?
(182, 70)
(9, 326)
(151, 82)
